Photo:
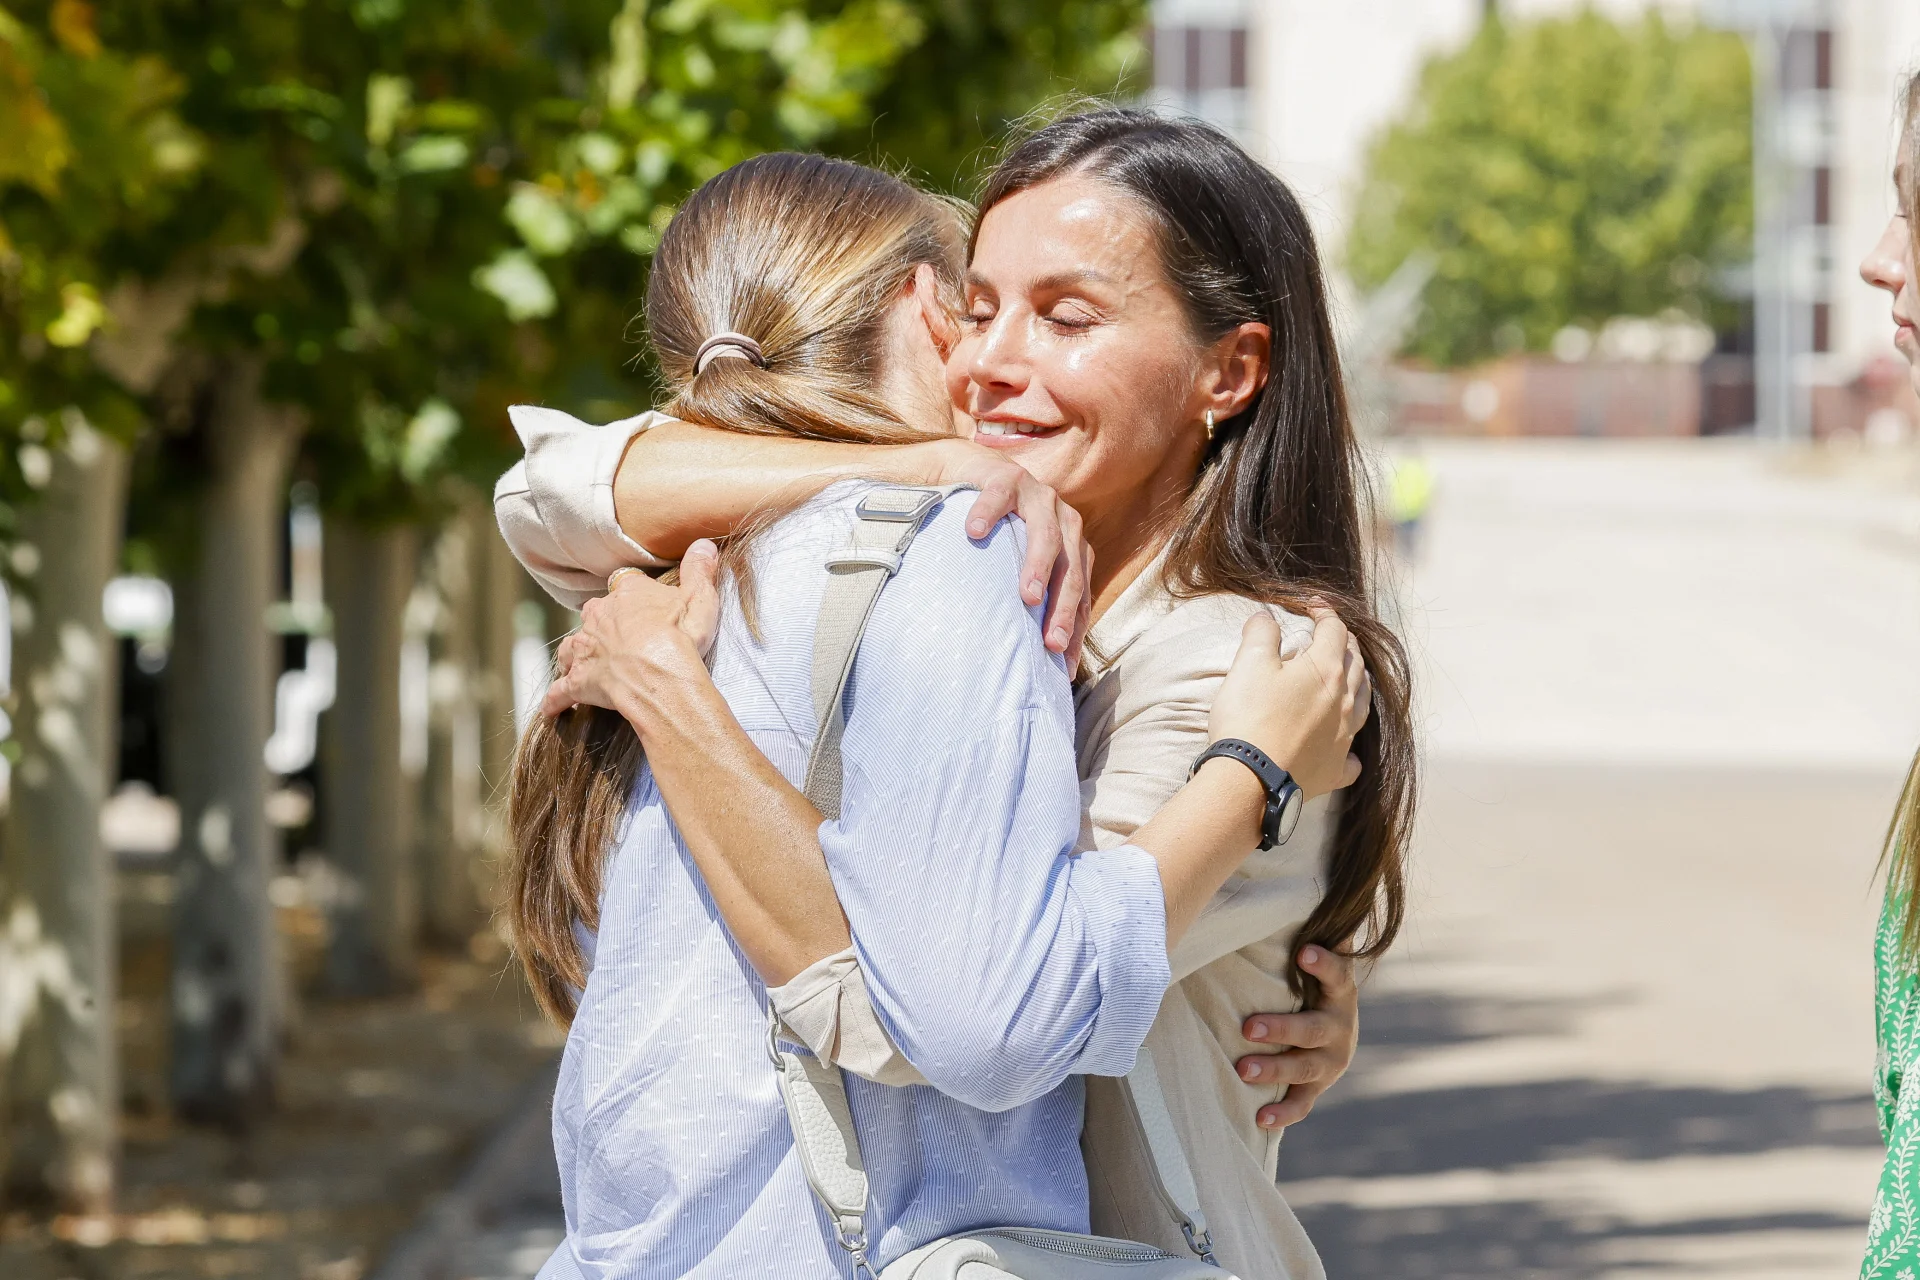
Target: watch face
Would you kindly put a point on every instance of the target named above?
(1290, 810)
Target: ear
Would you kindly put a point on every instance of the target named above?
(1237, 368)
(941, 329)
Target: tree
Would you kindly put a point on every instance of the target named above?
(1563, 171)
(94, 151)
(339, 237)
(979, 67)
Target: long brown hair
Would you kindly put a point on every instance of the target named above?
(1900, 854)
(1276, 511)
(805, 255)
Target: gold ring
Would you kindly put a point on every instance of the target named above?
(613, 579)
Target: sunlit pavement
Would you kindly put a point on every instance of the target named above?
(1669, 692)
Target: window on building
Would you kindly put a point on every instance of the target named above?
(1809, 59)
(1201, 69)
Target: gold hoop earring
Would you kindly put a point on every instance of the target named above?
(1209, 426)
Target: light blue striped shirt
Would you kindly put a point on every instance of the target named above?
(1002, 963)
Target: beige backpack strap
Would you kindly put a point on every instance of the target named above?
(888, 520)
(1171, 1174)
(815, 1092)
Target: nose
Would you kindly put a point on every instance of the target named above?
(1000, 360)
(1886, 266)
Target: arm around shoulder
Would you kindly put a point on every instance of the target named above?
(998, 961)
(555, 506)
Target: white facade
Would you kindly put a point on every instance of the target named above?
(1876, 43)
(1324, 76)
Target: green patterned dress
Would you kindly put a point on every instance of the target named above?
(1893, 1229)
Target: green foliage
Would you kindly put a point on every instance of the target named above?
(984, 64)
(94, 147)
(1562, 172)
(415, 212)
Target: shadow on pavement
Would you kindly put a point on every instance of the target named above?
(1507, 1127)
(1518, 1239)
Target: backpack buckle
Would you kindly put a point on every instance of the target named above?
(898, 504)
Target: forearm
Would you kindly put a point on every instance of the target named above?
(1200, 836)
(680, 482)
(754, 836)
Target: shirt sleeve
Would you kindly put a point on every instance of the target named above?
(996, 958)
(555, 506)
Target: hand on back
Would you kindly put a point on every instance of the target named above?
(640, 632)
(1303, 711)
(1059, 563)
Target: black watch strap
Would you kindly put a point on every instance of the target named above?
(1282, 790)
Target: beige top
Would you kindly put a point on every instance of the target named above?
(1142, 718)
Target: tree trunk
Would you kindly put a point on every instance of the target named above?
(453, 827)
(369, 803)
(64, 675)
(226, 1014)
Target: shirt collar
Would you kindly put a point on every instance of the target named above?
(1144, 602)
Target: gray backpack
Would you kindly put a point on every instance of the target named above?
(815, 1092)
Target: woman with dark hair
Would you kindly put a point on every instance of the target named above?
(1146, 331)
(1893, 1229)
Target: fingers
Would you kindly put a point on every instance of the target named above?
(558, 697)
(1043, 553)
(700, 567)
(1308, 1030)
(1338, 990)
(1083, 621)
(1069, 582)
(1260, 638)
(1290, 1110)
(1360, 709)
(700, 594)
(1330, 637)
(998, 498)
(1296, 1068)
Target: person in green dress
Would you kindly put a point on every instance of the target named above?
(1893, 1228)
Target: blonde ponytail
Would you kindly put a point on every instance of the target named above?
(802, 257)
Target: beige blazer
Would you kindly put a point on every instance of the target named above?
(1153, 664)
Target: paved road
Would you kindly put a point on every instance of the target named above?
(1670, 691)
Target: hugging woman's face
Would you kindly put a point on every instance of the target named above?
(1075, 355)
(1890, 267)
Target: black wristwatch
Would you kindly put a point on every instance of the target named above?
(1285, 800)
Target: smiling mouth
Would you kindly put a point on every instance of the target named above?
(1012, 429)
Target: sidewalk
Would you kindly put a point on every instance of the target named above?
(1669, 691)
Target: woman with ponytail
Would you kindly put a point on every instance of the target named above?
(668, 871)
(1893, 1229)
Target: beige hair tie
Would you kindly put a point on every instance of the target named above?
(731, 346)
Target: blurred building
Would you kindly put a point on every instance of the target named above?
(1307, 84)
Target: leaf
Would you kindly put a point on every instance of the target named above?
(428, 434)
(74, 27)
(434, 153)
(388, 98)
(37, 149)
(541, 221)
(82, 312)
(518, 282)
(600, 153)
(627, 67)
